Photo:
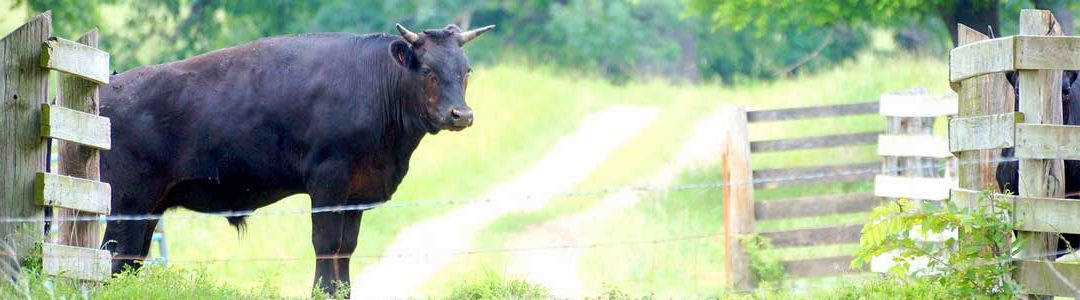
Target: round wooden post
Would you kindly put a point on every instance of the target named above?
(738, 199)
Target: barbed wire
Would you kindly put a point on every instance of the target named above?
(496, 199)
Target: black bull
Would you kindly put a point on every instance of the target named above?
(1008, 171)
(336, 116)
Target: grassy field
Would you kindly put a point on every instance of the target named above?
(694, 266)
(521, 113)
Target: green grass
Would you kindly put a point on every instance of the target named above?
(694, 267)
(151, 282)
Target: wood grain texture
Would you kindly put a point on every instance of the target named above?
(1047, 52)
(76, 262)
(1048, 278)
(1040, 102)
(1041, 141)
(841, 234)
(815, 206)
(774, 178)
(76, 58)
(23, 86)
(738, 197)
(981, 56)
(77, 160)
(981, 95)
(799, 113)
(1034, 214)
(983, 132)
(71, 192)
(825, 141)
(75, 126)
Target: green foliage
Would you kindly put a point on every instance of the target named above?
(766, 265)
(491, 285)
(973, 265)
(618, 39)
(887, 288)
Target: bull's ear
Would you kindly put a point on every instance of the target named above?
(401, 52)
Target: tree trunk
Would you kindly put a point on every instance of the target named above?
(981, 15)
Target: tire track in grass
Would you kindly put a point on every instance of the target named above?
(557, 269)
(421, 250)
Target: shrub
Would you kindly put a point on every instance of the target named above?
(490, 285)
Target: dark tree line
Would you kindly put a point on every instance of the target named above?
(681, 40)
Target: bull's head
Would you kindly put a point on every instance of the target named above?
(435, 57)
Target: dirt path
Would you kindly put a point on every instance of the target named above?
(557, 269)
(421, 250)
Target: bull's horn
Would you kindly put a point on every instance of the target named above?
(408, 35)
(472, 34)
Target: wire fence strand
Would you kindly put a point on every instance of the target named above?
(489, 200)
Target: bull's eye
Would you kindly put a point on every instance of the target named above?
(425, 71)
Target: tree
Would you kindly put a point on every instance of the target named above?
(981, 15)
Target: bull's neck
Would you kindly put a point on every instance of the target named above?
(406, 122)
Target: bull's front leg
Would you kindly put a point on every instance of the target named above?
(333, 234)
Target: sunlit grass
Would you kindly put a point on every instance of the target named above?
(695, 267)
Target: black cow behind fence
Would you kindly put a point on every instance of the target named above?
(336, 116)
(1007, 171)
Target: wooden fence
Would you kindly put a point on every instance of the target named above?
(27, 123)
(988, 122)
(741, 212)
(911, 156)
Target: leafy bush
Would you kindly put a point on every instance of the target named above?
(491, 285)
(888, 288)
(150, 282)
(974, 267)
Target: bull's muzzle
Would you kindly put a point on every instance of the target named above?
(461, 118)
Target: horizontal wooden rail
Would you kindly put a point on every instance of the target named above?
(1035, 214)
(1020, 52)
(897, 105)
(820, 267)
(825, 141)
(983, 132)
(773, 178)
(815, 206)
(74, 193)
(1042, 141)
(787, 114)
(76, 59)
(1048, 278)
(923, 188)
(75, 126)
(981, 58)
(76, 262)
(914, 146)
(842, 234)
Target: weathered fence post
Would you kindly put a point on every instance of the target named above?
(738, 198)
(23, 86)
(1040, 102)
(26, 123)
(77, 160)
(980, 96)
